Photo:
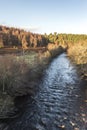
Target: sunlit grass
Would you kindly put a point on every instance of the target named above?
(20, 73)
(78, 54)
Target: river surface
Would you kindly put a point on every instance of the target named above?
(60, 103)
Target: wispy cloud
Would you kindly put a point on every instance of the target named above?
(34, 29)
(2, 23)
(30, 29)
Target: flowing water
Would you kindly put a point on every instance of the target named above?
(59, 104)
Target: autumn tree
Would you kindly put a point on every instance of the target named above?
(1, 42)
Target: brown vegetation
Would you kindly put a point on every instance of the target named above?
(14, 37)
(19, 74)
(78, 54)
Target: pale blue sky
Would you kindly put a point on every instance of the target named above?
(40, 16)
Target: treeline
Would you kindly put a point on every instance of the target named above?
(14, 37)
(66, 40)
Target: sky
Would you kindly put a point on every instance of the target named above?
(45, 16)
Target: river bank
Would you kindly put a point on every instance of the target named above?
(20, 75)
(78, 55)
(59, 103)
(33, 67)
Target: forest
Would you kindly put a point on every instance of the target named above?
(13, 37)
(16, 38)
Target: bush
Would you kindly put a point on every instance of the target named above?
(78, 54)
(11, 72)
(55, 49)
(19, 75)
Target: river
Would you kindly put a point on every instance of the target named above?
(58, 105)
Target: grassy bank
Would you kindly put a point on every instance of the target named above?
(78, 54)
(21, 74)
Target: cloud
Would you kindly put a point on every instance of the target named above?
(3, 23)
(34, 29)
(30, 29)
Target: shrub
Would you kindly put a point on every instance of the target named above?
(19, 75)
(78, 54)
(11, 71)
(55, 49)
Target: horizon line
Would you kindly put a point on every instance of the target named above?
(33, 30)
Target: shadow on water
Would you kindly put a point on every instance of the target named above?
(58, 105)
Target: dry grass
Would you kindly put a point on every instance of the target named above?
(11, 72)
(19, 75)
(54, 49)
(78, 54)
